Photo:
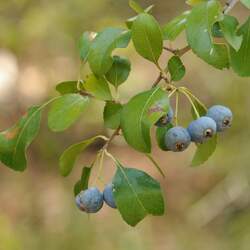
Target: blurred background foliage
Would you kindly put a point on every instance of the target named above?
(207, 208)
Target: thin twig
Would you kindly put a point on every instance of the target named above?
(229, 5)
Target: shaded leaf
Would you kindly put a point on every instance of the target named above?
(66, 110)
(160, 136)
(240, 60)
(176, 68)
(82, 184)
(136, 195)
(15, 141)
(147, 37)
(140, 114)
(119, 71)
(105, 42)
(204, 151)
(112, 115)
(173, 28)
(199, 34)
(69, 156)
(229, 28)
(84, 45)
(98, 87)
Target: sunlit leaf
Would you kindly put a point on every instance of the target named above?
(199, 34)
(136, 194)
(147, 37)
(66, 110)
(139, 115)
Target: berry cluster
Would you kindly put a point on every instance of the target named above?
(177, 139)
(91, 200)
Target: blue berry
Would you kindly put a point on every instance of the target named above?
(108, 195)
(222, 116)
(202, 129)
(163, 121)
(177, 139)
(90, 200)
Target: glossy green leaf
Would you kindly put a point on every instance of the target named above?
(129, 22)
(173, 28)
(69, 156)
(176, 68)
(229, 28)
(246, 3)
(112, 115)
(98, 87)
(135, 6)
(15, 140)
(160, 136)
(199, 34)
(84, 45)
(240, 60)
(136, 195)
(204, 151)
(147, 37)
(68, 87)
(99, 58)
(195, 2)
(140, 114)
(82, 184)
(66, 110)
(119, 71)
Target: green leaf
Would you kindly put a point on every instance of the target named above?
(195, 2)
(69, 156)
(176, 68)
(229, 28)
(84, 45)
(119, 71)
(136, 195)
(66, 110)
(98, 87)
(147, 37)
(204, 151)
(68, 87)
(216, 30)
(200, 108)
(246, 3)
(240, 60)
(129, 22)
(160, 136)
(199, 34)
(135, 6)
(112, 115)
(140, 114)
(173, 28)
(82, 184)
(105, 42)
(15, 141)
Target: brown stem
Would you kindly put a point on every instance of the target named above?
(116, 132)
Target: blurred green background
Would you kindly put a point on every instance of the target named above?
(208, 208)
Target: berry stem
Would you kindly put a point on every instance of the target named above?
(150, 157)
(176, 108)
(191, 102)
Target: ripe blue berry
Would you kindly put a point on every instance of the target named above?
(90, 200)
(177, 139)
(163, 121)
(202, 129)
(108, 195)
(222, 116)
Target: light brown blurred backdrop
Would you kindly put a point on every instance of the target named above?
(207, 208)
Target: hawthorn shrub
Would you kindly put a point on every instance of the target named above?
(211, 34)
